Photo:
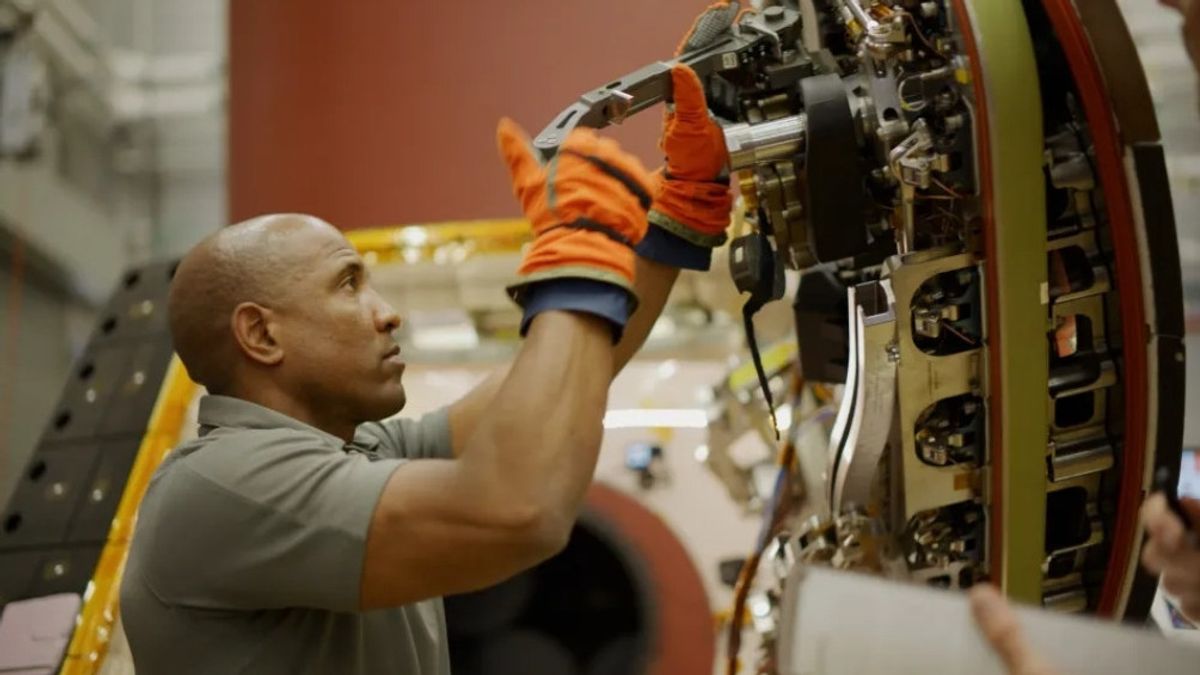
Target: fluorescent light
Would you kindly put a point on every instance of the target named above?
(413, 236)
(649, 418)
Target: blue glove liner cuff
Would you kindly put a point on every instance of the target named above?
(589, 296)
(664, 247)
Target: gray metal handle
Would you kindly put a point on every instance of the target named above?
(641, 89)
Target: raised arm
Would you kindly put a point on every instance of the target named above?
(687, 220)
(511, 498)
(451, 526)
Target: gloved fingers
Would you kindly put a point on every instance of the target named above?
(690, 104)
(656, 180)
(596, 180)
(599, 197)
(607, 156)
(524, 167)
(702, 207)
(695, 152)
(711, 23)
(693, 142)
(582, 249)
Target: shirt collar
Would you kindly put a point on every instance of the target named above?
(236, 413)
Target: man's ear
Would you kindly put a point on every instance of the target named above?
(252, 330)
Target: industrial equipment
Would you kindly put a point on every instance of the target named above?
(974, 197)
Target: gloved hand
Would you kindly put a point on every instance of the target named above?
(588, 208)
(710, 24)
(692, 200)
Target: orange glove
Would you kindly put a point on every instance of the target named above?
(708, 26)
(587, 207)
(691, 200)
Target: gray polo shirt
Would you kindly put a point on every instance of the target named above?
(248, 553)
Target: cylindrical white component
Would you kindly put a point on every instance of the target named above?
(749, 144)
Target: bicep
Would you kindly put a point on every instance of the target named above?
(439, 529)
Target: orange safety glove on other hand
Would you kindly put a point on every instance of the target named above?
(709, 25)
(588, 208)
(692, 199)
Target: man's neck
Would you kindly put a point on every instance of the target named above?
(314, 416)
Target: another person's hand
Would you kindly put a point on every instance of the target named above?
(1190, 9)
(1172, 551)
(1002, 629)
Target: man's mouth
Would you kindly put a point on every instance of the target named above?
(392, 354)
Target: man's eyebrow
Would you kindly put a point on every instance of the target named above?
(351, 266)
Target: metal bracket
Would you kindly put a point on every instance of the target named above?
(864, 423)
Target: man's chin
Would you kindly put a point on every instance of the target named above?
(393, 403)
(380, 404)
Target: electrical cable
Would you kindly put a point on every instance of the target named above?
(773, 516)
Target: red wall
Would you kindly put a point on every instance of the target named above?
(375, 112)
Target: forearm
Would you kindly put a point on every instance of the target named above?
(652, 284)
(539, 437)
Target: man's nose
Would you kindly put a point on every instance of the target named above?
(387, 319)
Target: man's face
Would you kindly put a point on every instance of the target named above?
(336, 331)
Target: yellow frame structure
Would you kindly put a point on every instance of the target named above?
(93, 629)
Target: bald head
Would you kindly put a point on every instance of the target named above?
(253, 261)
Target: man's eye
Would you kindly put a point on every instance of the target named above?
(350, 282)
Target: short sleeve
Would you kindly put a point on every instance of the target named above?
(263, 520)
(427, 437)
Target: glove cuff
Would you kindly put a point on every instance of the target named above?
(663, 247)
(613, 303)
(685, 232)
(525, 281)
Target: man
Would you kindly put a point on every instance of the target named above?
(297, 535)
